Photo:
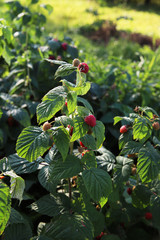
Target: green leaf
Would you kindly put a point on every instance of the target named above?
(60, 170)
(89, 160)
(118, 119)
(106, 161)
(64, 120)
(61, 138)
(55, 61)
(47, 109)
(79, 90)
(89, 142)
(85, 103)
(17, 185)
(71, 101)
(45, 181)
(82, 111)
(16, 217)
(4, 165)
(99, 131)
(32, 143)
(5, 205)
(141, 196)
(48, 7)
(131, 147)
(142, 129)
(54, 93)
(1, 113)
(65, 70)
(110, 237)
(148, 163)
(16, 86)
(124, 138)
(47, 205)
(21, 165)
(97, 182)
(70, 227)
(123, 169)
(21, 115)
(73, 51)
(80, 128)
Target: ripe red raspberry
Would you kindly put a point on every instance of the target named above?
(83, 67)
(51, 57)
(64, 46)
(66, 103)
(129, 191)
(90, 120)
(81, 144)
(156, 125)
(123, 129)
(99, 237)
(148, 215)
(46, 126)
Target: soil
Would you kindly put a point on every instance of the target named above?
(108, 29)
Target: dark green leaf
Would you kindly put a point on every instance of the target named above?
(106, 161)
(124, 138)
(131, 147)
(89, 160)
(70, 227)
(21, 115)
(98, 183)
(64, 70)
(89, 142)
(61, 138)
(85, 103)
(141, 196)
(60, 170)
(21, 165)
(47, 205)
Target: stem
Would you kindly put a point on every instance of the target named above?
(69, 180)
(70, 188)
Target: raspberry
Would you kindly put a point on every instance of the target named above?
(83, 67)
(148, 215)
(76, 62)
(156, 125)
(71, 131)
(64, 46)
(99, 237)
(129, 191)
(123, 129)
(81, 144)
(66, 104)
(51, 57)
(90, 120)
(46, 126)
(84, 152)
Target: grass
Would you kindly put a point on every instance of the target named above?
(72, 14)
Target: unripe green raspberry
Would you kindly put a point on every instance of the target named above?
(76, 62)
(46, 126)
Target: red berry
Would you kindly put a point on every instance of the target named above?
(129, 191)
(90, 120)
(66, 104)
(46, 126)
(64, 46)
(148, 215)
(156, 125)
(123, 129)
(99, 237)
(81, 144)
(1, 177)
(51, 57)
(83, 67)
(71, 131)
